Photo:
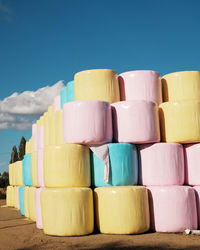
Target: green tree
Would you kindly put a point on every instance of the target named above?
(14, 155)
(4, 180)
(22, 147)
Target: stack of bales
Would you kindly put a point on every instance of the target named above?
(180, 123)
(102, 136)
(16, 182)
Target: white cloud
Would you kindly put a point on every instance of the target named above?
(18, 110)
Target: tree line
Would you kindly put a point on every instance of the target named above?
(15, 156)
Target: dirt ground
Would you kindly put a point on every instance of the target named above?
(16, 232)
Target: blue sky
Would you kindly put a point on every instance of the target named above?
(45, 41)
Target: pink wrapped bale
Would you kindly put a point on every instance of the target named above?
(40, 137)
(87, 122)
(136, 122)
(192, 164)
(140, 85)
(161, 164)
(197, 193)
(172, 208)
(38, 208)
(56, 103)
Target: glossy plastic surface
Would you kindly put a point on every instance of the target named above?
(161, 164)
(67, 165)
(122, 210)
(173, 208)
(136, 122)
(140, 85)
(123, 166)
(180, 86)
(180, 121)
(87, 122)
(67, 211)
(97, 84)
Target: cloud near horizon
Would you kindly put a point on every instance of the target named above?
(19, 110)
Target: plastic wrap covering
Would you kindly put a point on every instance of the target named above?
(140, 85)
(38, 208)
(161, 164)
(67, 211)
(123, 167)
(17, 197)
(26, 201)
(46, 129)
(15, 173)
(14, 196)
(52, 129)
(136, 122)
(26, 170)
(31, 203)
(40, 171)
(67, 94)
(21, 199)
(180, 121)
(59, 127)
(56, 103)
(10, 169)
(99, 84)
(9, 196)
(51, 109)
(29, 146)
(19, 174)
(34, 169)
(67, 165)
(40, 133)
(70, 97)
(192, 162)
(87, 122)
(122, 210)
(179, 86)
(173, 208)
(197, 194)
(34, 135)
(63, 97)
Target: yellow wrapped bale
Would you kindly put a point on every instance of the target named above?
(67, 165)
(15, 165)
(181, 86)
(10, 170)
(59, 127)
(34, 169)
(9, 196)
(97, 84)
(26, 201)
(46, 129)
(52, 129)
(31, 203)
(15, 197)
(122, 210)
(67, 211)
(51, 109)
(19, 174)
(180, 121)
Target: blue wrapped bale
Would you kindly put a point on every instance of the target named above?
(67, 94)
(21, 199)
(26, 170)
(123, 166)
